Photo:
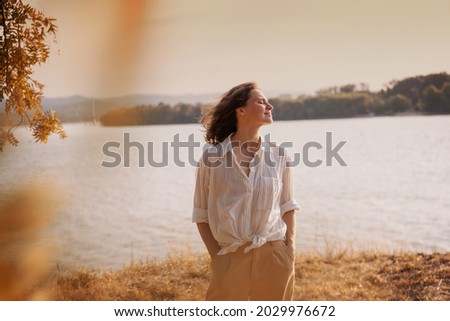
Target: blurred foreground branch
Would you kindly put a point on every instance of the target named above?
(24, 257)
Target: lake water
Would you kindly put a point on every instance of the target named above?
(393, 195)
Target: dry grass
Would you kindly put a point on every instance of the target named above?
(181, 278)
(359, 276)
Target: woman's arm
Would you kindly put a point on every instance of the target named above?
(289, 219)
(209, 240)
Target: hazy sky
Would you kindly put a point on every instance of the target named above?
(117, 47)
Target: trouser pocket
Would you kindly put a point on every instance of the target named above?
(282, 254)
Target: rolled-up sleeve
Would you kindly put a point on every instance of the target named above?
(287, 199)
(200, 208)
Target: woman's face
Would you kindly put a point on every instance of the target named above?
(257, 110)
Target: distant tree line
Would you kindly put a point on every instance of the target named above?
(428, 94)
(153, 114)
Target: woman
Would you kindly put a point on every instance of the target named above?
(244, 202)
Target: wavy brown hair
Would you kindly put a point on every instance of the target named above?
(220, 120)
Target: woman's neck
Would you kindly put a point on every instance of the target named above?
(246, 135)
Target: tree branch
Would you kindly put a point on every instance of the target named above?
(5, 42)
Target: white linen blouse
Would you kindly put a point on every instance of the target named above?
(241, 208)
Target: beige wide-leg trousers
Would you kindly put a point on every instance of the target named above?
(265, 273)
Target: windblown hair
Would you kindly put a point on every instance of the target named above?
(220, 120)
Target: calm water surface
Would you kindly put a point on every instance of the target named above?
(393, 195)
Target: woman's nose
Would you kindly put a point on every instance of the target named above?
(269, 106)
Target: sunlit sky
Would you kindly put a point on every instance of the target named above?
(118, 47)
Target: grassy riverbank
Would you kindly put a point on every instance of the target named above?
(334, 276)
